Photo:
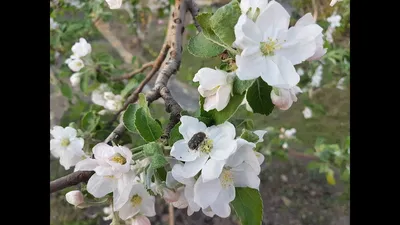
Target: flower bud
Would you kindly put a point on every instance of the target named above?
(75, 198)
(169, 195)
(140, 220)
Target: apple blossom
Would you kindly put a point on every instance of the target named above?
(66, 146)
(75, 63)
(114, 4)
(290, 132)
(215, 87)
(75, 79)
(285, 145)
(108, 211)
(140, 220)
(53, 24)
(333, 2)
(300, 71)
(244, 154)
(112, 172)
(98, 94)
(283, 98)
(74, 198)
(249, 7)
(307, 113)
(270, 49)
(139, 201)
(204, 148)
(334, 20)
(113, 102)
(260, 134)
(317, 77)
(81, 48)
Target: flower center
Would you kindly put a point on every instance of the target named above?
(118, 158)
(226, 178)
(136, 200)
(269, 47)
(79, 64)
(65, 142)
(200, 142)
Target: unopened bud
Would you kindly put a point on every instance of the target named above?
(170, 196)
(140, 220)
(75, 198)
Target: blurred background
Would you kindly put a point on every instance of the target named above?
(305, 175)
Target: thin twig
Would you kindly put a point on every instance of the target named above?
(194, 10)
(133, 73)
(171, 215)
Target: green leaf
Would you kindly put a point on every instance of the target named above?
(147, 127)
(224, 20)
(313, 165)
(66, 90)
(133, 83)
(259, 97)
(129, 117)
(240, 86)
(158, 161)
(84, 84)
(248, 206)
(151, 148)
(249, 136)
(200, 46)
(142, 101)
(89, 121)
(204, 21)
(175, 135)
(223, 115)
(161, 173)
(133, 60)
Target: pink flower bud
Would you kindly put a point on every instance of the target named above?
(140, 220)
(75, 198)
(170, 196)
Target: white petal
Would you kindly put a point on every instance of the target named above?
(147, 207)
(122, 193)
(181, 203)
(190, 169)
(221, 205)
(250, 66)
(247, 33)
(223, 149)
(283, 101)
(180, 150)
(271, 74)
(289, 77)
(210, 78)
(305, 20)
(212, 169)
(245, 177)
(206, 193)
(260, 157)
(260, 134)
(57, 132)
(55, 146)
(170, 180)
(86, 165)
(104, 171)
(102, 150)
(190, 126)
(99, 186)
(210, 103)
(223, 95)
(76, 146)
(127, 211)
(273, 19)
(114, 4)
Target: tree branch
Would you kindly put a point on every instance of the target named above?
(194, 10)
(133, 73)
(173, 42)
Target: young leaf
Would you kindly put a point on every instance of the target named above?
(66, 90)
(175, 135)
(129, 86)
(129, 117)
(147, 127)
(89, 121)
(151, 148)
(248, 206)
(204, 21)
(224, 20)
(158, 161)
(200, 46)
(142, 101)
(249, 136)
(259, 97)
(84, 84)
(240, 86)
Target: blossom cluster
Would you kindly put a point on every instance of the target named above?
(81, 51)
(209, 162)
(103, 96)
(269, 49)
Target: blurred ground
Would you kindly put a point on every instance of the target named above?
(291, 194)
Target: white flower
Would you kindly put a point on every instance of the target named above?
(75, 79)
(317, 77)
(215, 87)
(334, 20)
(75, 63)
(186, 198)
(74, 198)
(114, 4)
(75, 3)
(140, 220)
(218, 193)
(245, 154)
(307, 113)
(204, 148)
(333, 2)
(249, 7)
(290, 132)
(260, 134)
(300, 71)
(283, 98)
(53, 24)
(340, 83)
(66, 146)
(98, 95)
(139, 201)
(108, 211)
(285, 145)
(270, 49)
(112, 172)
(114, 103)
(81, 48)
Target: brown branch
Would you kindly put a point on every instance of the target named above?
(133, 73)
(194, 10)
